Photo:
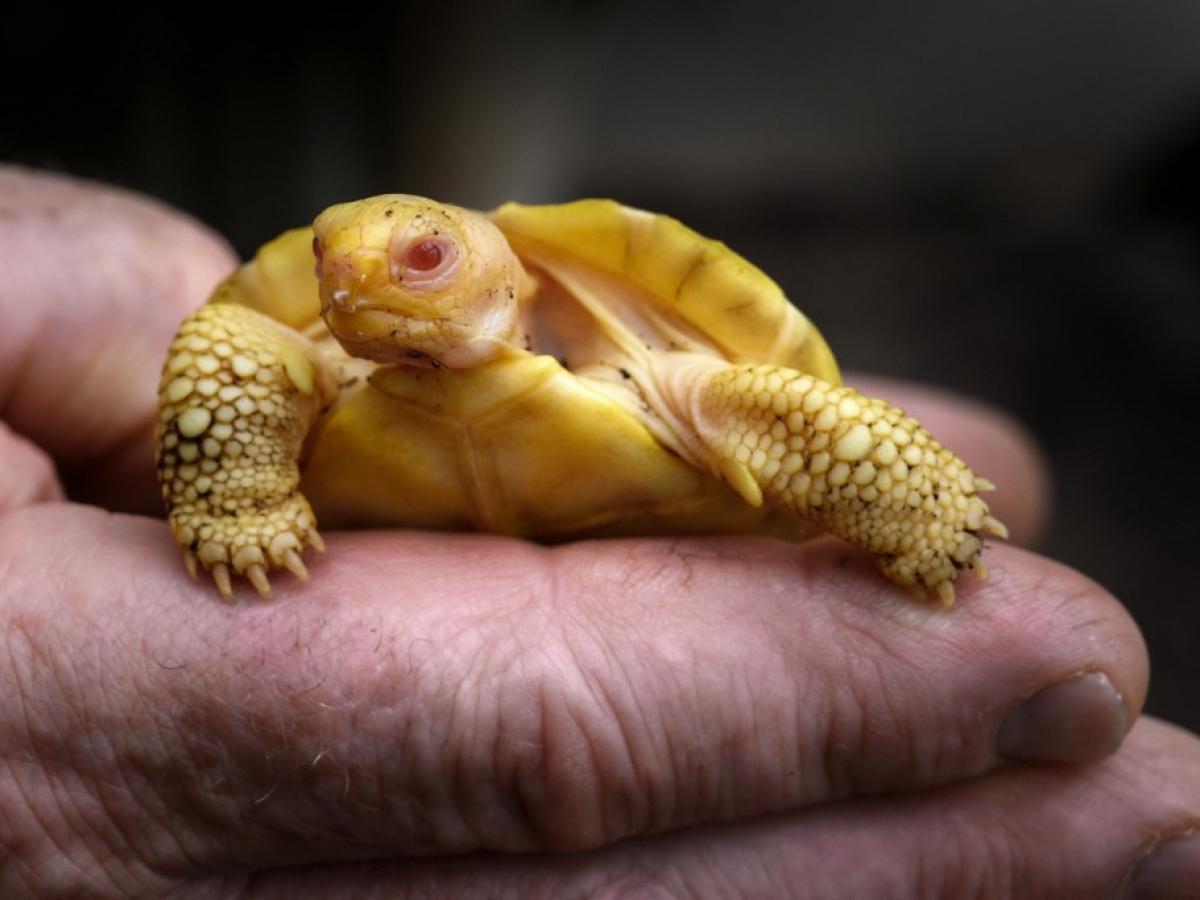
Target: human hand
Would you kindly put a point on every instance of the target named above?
(509, 713)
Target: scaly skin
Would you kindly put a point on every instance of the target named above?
(862, 468)
(238, 394)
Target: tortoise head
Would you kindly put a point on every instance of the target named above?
(409, 280)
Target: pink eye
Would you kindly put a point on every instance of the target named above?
(426, 263)
(423, 256)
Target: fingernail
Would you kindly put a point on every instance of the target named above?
(1076, 721)
(1171, 871)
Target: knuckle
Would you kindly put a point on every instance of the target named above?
(573, 723)
(572, 756)
(878, 731)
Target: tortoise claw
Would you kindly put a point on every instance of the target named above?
(994, 526)
(257, 576)
(220, 574)
(294, 564)
(945, 592)
(189, 562)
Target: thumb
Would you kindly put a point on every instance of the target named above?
(93, 282)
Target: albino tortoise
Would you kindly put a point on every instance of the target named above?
(554, 372)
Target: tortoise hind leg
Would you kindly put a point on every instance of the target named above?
(859, 466)
(238, 394)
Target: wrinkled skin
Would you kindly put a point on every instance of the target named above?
(460, 698)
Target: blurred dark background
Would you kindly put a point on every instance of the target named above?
(998, 197)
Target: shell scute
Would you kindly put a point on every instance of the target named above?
(712, 288)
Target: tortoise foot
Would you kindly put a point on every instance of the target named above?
(250, 544)
(860, 467)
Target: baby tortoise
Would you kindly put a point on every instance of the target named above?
(555, 372)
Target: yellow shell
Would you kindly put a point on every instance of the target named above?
(729, 300)
(521, 445)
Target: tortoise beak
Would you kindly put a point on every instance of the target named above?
(345, 278)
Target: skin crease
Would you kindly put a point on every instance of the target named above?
(554, 700)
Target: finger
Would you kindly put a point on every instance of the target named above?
(1027, 832)
(992, 443)
(447, 693)
(26, 473)
(96, 280)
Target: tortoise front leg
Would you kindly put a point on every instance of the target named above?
(859, 466)
(239, 392)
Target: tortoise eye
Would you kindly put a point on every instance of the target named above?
(423, 256)
(426, 263)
